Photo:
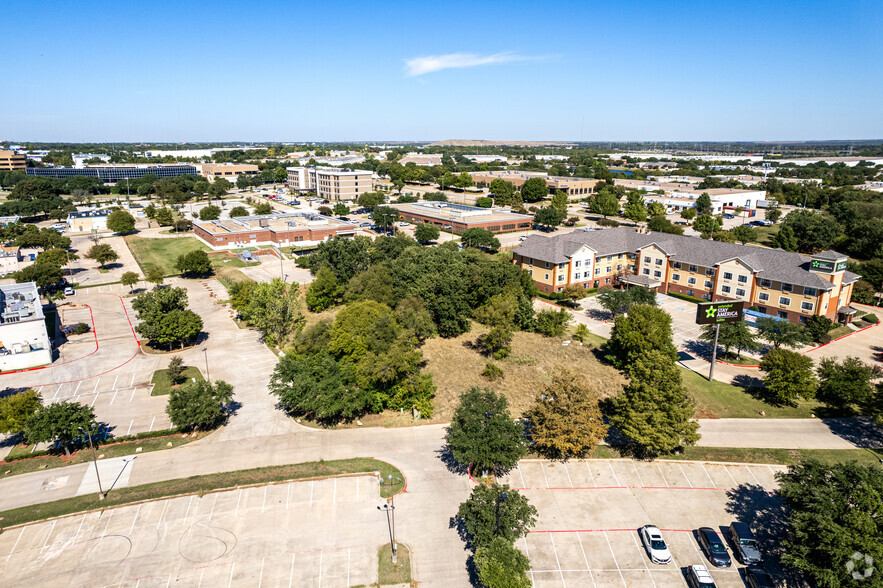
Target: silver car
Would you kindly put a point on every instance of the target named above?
(655, 545)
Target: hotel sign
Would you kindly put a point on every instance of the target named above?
(829, 267)
(712, 313)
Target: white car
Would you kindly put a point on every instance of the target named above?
(404, 224)
(655, 545)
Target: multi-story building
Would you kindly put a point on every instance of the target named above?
(330, 183)
(113, 173)
(779, 283)
(459, 217)
(9, 260)
(580, 187)
(280, 229)
(229, 171)
(424, 159)
(24, 342)
(83, 221)
(10, 160)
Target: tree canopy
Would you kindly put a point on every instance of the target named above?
(199, 405)
(58, 422)
(482, 433)
(165, 319)
(120, 221)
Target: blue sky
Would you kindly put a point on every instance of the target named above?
(217, 71)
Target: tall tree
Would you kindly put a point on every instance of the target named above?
(194, 264)
(548, 216)
(789, 376)
(384, 216)
(58, 422)
(199, 405)
(500, 565)
(566, 420)
(646, 328)
(845, 384)
(534, 190)
(654, 412)
(164, 316)
(605, 203)
(483, 434)
(744, 234)
(703, 204)
(560, 201)
(324, 292)
(210, 212)
(16, 409)
(731, 335)
(129, 279)
(120, 221)
(634, 207)
(503, 191)
(103, 253)
(785, 239)
(780, 332)
(274, 308)
(496, 511)
(426, 232)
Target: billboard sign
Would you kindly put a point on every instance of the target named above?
(830, 267)
(711, 313)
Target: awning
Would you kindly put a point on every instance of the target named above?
(639, 280)
(846, 310)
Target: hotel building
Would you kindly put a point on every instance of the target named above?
(330, 183)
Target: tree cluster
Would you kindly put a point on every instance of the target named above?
(165, 319)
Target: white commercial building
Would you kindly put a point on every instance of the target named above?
(24, 342)
(83, 221)
(330, 183)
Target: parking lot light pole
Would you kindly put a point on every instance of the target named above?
(94, 459)
(717, 330)
(390, 509)
(208, 378)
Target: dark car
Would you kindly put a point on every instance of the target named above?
(714, 548)
(744, 544)
(757, 577)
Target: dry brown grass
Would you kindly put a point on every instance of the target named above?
(455, 367)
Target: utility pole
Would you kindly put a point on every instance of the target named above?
(94, 459)
(390, 509)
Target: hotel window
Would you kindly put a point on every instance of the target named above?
(693, 268)
(609, 258)
(740, 292)
(783, 314)
(743, 279)
(810, 292)
(763, 296)
(689, 292)
(597, 271)
(706, 297)
(577, 263)
(547, 265)
(657, 274)
(761, 309)
(708, 283)
(606, 280)
(646, 272)
(619, 256)
(709, 271)
(618, 267)
(802, 319)
(658, 262)
(725, 289)
(630, 267)
(561, 278)
(806, 306)
(530, 261)
(677, 265)
(691, 281)
(608, 269)
(728, 276)
(786, 287)
(784, 301)
(676, 277)
(562, 265)
(647, 259)
(547, 276)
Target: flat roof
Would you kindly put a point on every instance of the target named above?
(20, 302)
(460, 212)
(277, 223)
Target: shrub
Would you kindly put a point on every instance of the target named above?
(687, 298)
(303, 261)
(871, 318)
(82, 328)
(552, 323)
(492, 372)
(607, 222)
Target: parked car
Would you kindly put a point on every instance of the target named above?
(757, 577)
(522, 238)
(744, 544)
(403, 224)
(714, 548)
(59, 226)
(729, 216)
(655, 545)
(698, 577)
(68, 291)
(343, 218)
(365, 224)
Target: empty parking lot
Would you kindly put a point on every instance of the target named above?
(590, 510)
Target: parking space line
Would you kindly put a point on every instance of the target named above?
(236, 512)
(347, 566)
(753, 476)
(526, 552)
(661, 473)
(615, 477)
(133, 380)
(320, 568)
(291, 573)
(557, 561)
(95, 389)
(683, 471)
(261, 576)
(288, 493)
(212, 511)
(60, 386)
(49, 534)
(637, 473)
(201, 572)
(132, 528)
(77, 388)
(610, 547)
(586, 559)
(708, 475)
(264, 500)
(543, 468)
(635, 539)
(114, 397)
(132, 397)
(311, 494)
(80, 528)
(15, 544)
(518, 467)
(162, 514)
(735, 483)
(115, 382)
(132, 422)
(232, 567)
(151, 424)
(334, 494)
(187, 512)
(568, 475)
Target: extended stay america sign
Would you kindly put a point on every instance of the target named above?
(710, 313)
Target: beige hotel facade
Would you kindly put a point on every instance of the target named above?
(330, 183)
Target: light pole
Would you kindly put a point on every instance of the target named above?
(208, 378)
(94, 459)
(390, 509)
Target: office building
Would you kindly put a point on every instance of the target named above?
(112, 173)
(422, 159)
(24, 342)
(84, 221)
(459, 217)
(676, 197)
(330, 183)
(281, 229)
(10, 160)
(9, 260)
(575, 187)
(778, 283)
(228, 171)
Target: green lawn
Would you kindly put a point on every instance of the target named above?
(162, 385)
(776, 456)
(721, 400)
(162, 253)
(199, 484)
(764, 234)
(391, 574)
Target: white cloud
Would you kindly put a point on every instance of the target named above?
(423, 65)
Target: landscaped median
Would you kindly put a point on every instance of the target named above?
(203, 484)
(754, 455)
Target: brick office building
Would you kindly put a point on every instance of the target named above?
(281, 230)
(459, 217)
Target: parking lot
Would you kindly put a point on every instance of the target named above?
(590, 512)
(313, 533)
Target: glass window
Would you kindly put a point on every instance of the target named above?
(761, 309)
(646, 271)
(676, 277)
(740, 292)
(784, 301)
(647, 259)
(689, 292)
(547, 265)
(691, 281)
(786, 287)
(547, 276)
(783, 314)
(743, 279)
(708, 283)
(657, 274)
(709, 271)
(618, 266)
(658, 262)
(766, 284)
(597, 270)
(577, 263)
(763, 296)
(810, 292)
(606, 280)
(608, 269)
(806, 306)
(725, 289)
(677, 265)
(693, 268)
(728, 276)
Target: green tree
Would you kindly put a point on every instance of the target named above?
(220, 187)
(772, 214)
(484, 202)
(688, 214)
(789, 376)
(706, 224)
(560, 202)
(194, 264)
(552, 323)
(780, 332)
(744, 234)
(785, 239)
(280, 174)
(833, 513)
(154, 275)
(566, 420)
(199, 405)
(503, 191)
(619, 301)
(464, 180)
(499, 315)
(341, 209)
(16, 409)
(325, 211)
(500, 565)
(661, 224)
(634, 207)
(324, 292)
(703, 204)
(644, 329)
(165, 319)
(605, 203)
(263, 208)
(371, 199)
(120, 221)
(654, 412)
(238, 211)
(175, 370)
(817, 327)
(164, 217)
(58, 422)
(548, 216)
(496, 512)
(384, 216)
(731, 335)
(482, 435)
(129, 279)
(656, 209)
(44, 274)
(103, 253)
(210, 212)
(534, 190)
(274, 308)
(426, 232)
(846, 384)
(481, 238)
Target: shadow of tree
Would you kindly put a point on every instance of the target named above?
(447, 458)
(767, 516)
(599, 314)
(860, 431)
(699, 348)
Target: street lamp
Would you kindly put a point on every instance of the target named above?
(390, 508)
(94, 459)
(208, 378)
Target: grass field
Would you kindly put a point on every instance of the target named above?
(455, 367)
(721, 400)
(162, 253)
(392, 574)
(162, 385)
(765, 234)
(200, 484)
